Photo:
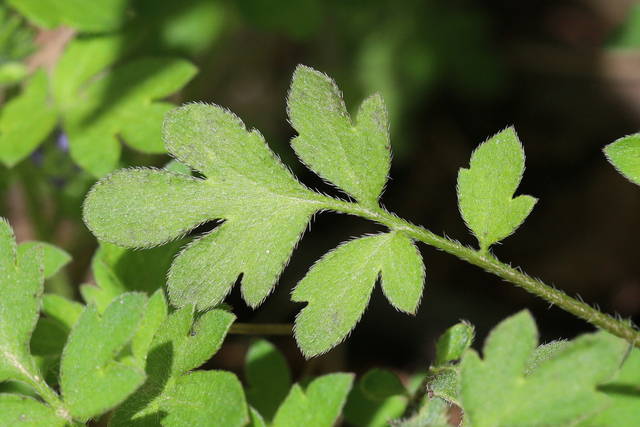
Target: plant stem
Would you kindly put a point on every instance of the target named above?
(491, 264)
(261, 329)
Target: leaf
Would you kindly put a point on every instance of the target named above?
(54, 257)
(25, 121)
(338, 287)
(562, 389)
(268, 376)
(356, 158)
(16, 410)
(485, 190)
(123, 104)
(179, 345)
(380, 384)
(361, 411)
(623, 391)
(93, 16)
(453, 343)
(266, 209)
(319, 405)
(212, 398)
(154, 315)
(624, 155)
(92, 381)
(21, 287)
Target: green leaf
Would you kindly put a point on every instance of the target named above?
(624, 392)
(361, 411)
(25, 121)
(434, 412)
(319, 405)
(453, 343)
(16, 410)
(266, 209)
(54, 257)
(123, 104)
(211, 398)
(380, 384)
(444, 384)
(93, 16)
(92, 381)
(268, 376)
(21, 288)
(338, 287)
(154, 315)
(355, 158)
(485, 190)
(255, 419)
(624, 155)
(179, 345)
(561, 390)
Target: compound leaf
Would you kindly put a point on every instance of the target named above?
(560, 390)
(624, 154)
(485, 190)
(319, 405)
(25, 121)
(21, 286)
(355, 158)
(16, 410)
(338, 287)
(264, 207)
(92, 381)
(268, 376)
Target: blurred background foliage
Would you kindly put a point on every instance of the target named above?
(453, 73)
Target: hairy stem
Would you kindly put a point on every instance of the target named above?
(492, 265)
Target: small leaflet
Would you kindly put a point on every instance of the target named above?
(485, 190)
(624, 155)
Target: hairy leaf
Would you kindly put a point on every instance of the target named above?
(624, 154)
(92, 381)
(21, 287)
(561, 389)
(485, 190)
(264, 207)
(356, 158)
(338, 287)
(319, 405)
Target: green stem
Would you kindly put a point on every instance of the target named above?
(47, 394)
(489, 263)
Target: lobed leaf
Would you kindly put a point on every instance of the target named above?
(338, 287)
(25, 121)
(561, 389)
(485, 190)
(21, 287)
(92, 381)
(319, 405)
(624, 155)
(355, 158)
(266, 209)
